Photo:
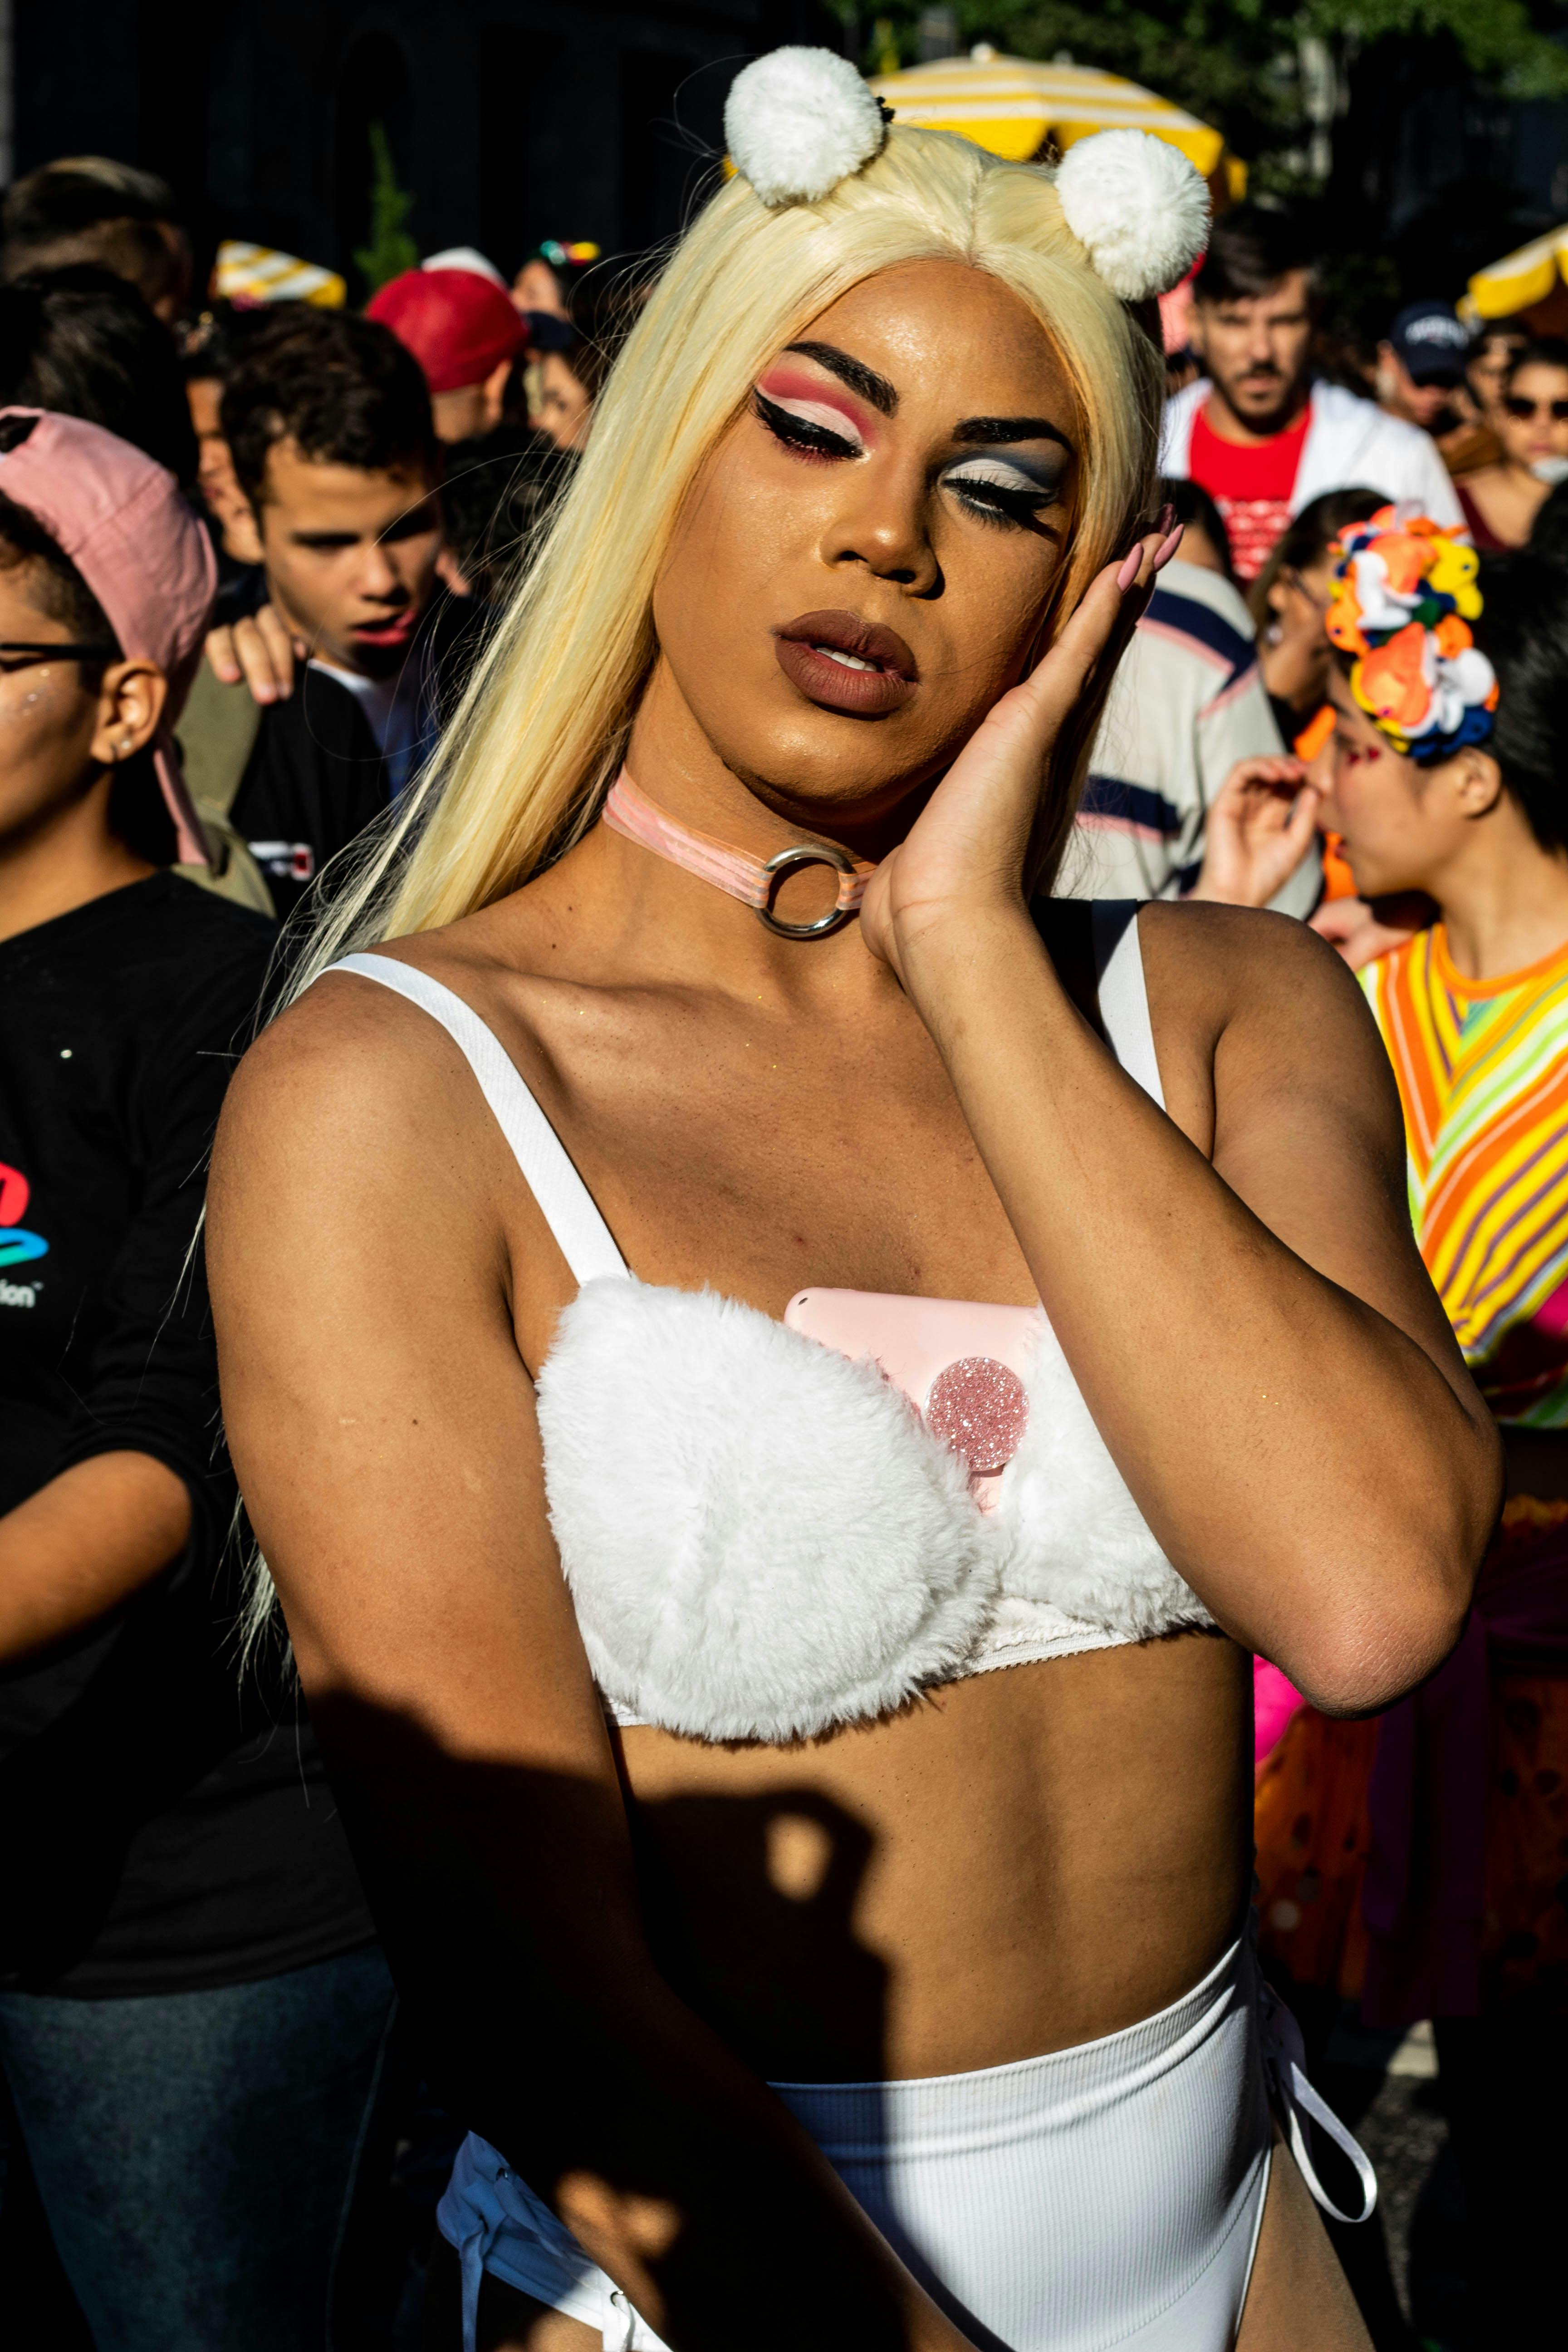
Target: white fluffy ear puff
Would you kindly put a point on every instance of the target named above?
(1138, 206)
(799, 120)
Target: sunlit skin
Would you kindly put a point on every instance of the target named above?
(565, 408)
(1255, 350)
(471, 409)
(1023, 1860)
(537, 288)
(1452, 831)
(1293, 653)
(350, 553)
(62, 735)
(1508, 495)
(216, 477)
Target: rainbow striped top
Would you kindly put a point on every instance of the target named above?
(1482, 1067)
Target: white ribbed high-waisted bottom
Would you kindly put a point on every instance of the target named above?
(1106, 2195)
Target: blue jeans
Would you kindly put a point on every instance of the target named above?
(195, 2152)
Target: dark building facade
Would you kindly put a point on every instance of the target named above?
(508, 120)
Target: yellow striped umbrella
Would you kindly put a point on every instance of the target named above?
(1522, 279)
(259, 273)
(1014, 107)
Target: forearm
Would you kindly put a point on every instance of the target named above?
(84, 1543)
(552, 2034)
(1303, 1462)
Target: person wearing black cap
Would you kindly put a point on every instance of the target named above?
(1421, 364)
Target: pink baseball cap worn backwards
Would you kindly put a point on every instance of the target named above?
(125, 524)
(456, 324)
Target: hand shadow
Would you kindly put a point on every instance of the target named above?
(523, 1945)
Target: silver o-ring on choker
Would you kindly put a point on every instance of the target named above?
(806, 852)
(753, 880)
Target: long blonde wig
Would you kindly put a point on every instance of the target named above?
(542, 727)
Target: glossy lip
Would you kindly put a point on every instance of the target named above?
(860, 693)
(394, 631)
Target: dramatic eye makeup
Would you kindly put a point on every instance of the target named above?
(811, 418)
(1001, 485)
(1004, 485)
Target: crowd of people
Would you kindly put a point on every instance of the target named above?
(411, 1943)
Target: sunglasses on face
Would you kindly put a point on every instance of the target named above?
(1515, 404)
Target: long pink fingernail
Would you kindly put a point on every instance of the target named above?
(1130, 565)
(1168, 547)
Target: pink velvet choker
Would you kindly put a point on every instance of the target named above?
(753, 880)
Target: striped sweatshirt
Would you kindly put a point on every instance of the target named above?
(1482, 1069)
(1185, 704)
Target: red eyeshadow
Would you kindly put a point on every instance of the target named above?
(785, 382)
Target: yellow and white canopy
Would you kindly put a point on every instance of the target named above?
(1524, 278)
(1013, 105)
(259, 273)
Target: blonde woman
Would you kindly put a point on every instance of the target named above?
(796, 1722)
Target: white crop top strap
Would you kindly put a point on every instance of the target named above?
(1123, 997)
(565, 1200)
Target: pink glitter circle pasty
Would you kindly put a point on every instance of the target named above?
(981, 1409)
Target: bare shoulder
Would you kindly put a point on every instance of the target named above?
(1261, 989)
(1241, 953)
(348, 1050)
(350, 1102)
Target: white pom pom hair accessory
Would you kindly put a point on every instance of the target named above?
(1138, 207)
(799, 122)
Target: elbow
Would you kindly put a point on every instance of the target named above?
(1394, 1629)
(1360, 1660)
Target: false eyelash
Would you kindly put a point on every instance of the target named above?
(1003, 509)
(993, 502)
(798, 433)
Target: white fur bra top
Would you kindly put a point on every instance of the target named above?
(761, 1539)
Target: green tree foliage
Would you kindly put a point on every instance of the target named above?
(1233, 63)
(1505, 42)
(391, 249)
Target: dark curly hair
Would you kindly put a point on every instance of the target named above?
(341, 387)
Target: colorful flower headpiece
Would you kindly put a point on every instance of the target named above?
(1405, 596)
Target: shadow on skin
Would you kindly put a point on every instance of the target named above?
(524, 1981)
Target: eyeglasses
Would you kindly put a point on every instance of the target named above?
(19, 654)
(1517, 405)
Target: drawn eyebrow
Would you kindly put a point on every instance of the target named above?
(991, 432)
(872, 388)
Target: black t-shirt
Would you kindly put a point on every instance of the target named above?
(316, 777)
(165, 1824)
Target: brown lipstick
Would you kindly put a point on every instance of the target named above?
(843, 663)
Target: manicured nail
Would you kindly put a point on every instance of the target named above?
(1130, 570)
(1164, 519)
(1168, 547)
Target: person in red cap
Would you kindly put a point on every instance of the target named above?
(192, 2010)
(464, 332)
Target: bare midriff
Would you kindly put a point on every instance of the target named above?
(1018, 1862)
